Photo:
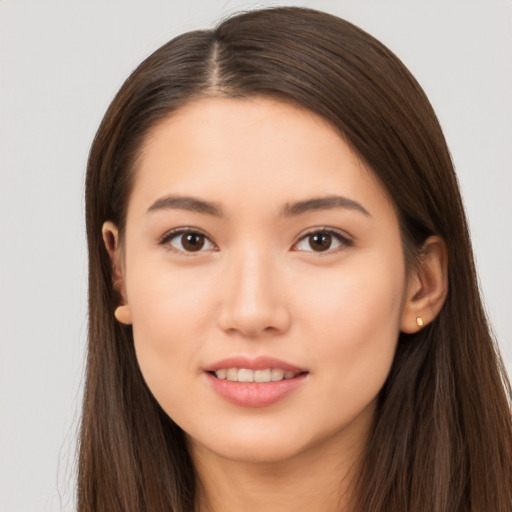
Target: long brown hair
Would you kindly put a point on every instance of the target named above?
(442, 436)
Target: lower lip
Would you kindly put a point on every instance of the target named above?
(255, 394)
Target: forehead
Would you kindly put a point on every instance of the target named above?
(256, 152)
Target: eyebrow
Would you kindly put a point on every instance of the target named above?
(193, 204)
(190, 204)
(322, 203)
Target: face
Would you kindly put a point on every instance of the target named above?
(264, 277)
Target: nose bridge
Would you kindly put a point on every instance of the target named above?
(253, 302)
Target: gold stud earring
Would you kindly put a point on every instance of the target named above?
(419, 321)
(123, 314)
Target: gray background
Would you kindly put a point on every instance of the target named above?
(61, 62)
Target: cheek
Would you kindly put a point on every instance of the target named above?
(354, 322)
(171, 311)
(165, 301)
(355, 298)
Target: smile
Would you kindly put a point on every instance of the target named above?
(255, 381)
(248, 375)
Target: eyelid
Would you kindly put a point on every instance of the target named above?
(175, 232)
(342, 237)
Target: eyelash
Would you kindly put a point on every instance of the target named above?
(342, 239)
(175, 233)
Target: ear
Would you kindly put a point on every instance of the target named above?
(111, 239)
(427, 286)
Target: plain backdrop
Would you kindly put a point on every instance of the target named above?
(61, 62)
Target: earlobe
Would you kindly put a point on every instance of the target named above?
(110, 235)
(428, 286)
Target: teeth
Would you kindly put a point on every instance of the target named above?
(277, 374)
(263, 375)
(221, 374)
(247, 375)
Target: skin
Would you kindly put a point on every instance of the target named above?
(258, 287)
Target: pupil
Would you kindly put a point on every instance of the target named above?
(193, 242)
(320, 241)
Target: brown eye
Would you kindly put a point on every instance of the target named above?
(192, 241)
(187, 241)
(322, 241)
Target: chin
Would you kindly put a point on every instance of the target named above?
(254, 444)
(256, 452)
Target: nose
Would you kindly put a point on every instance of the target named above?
(253, 296)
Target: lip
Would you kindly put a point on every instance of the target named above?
(257, 363)
(254, 394)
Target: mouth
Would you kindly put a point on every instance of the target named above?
(248, 375)
(255, 382)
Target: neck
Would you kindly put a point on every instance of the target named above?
(318, 479)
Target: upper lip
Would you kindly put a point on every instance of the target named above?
(255, 363)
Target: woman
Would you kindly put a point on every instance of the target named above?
(284, 313)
